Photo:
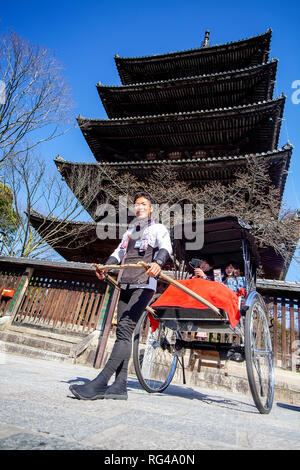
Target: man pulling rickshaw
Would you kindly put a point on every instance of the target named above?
(149, 242)
(194, 305)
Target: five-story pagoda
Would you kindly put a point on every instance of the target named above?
(203, 110)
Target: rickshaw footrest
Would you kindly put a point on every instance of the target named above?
(227, 351)
(207, 345)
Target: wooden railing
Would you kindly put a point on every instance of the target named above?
(68, 304)
(47, 296)
(10, 278)
(285, 328)
(74, 300)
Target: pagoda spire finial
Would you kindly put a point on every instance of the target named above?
(206, 39)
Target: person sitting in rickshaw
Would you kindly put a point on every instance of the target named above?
(229, 277)
(241, 281)
(233, 279)
(205, 270)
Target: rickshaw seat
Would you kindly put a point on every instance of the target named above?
(176, 304)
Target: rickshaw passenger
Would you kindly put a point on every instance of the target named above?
(205, 270)
(229, 278)
(241, 281)
(232, 277)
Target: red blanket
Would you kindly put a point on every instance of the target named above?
(216, 293)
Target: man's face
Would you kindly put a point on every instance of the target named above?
(142, 208)
(205, 266)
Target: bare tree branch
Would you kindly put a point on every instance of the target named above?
(250, 196)
(37, 99)
(34, 189)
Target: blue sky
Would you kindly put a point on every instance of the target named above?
(85, 36)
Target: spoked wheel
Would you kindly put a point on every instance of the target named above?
(153, 357)
(259, 355)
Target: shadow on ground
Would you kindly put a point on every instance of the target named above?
(184, 392)
(192, 394)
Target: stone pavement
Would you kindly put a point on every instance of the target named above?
(37, 411)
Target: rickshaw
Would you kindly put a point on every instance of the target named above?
(196, 305)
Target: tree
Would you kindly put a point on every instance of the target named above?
(250, 196)
(35, 189)
(35, 99)
(34, 108)
(253, 198)
(9, 220)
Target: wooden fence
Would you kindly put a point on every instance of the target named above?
(11, 278)
(68, 304)
(59, 299)
(72, 299)
(285, 328)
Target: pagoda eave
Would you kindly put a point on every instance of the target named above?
(230, 56)
(273, 264)
(74, 241)
(217, 90)
(221, 131)
(194, 171)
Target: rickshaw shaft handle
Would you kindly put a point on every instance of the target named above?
(142, 264)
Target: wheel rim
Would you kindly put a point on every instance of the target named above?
(155, 358)
(262, 369)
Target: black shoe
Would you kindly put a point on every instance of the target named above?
(93, 390)
(117, 391)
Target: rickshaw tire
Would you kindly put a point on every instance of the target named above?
(137, 365)
(263, 409)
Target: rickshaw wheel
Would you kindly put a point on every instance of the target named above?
(259, 356)
(154, 364)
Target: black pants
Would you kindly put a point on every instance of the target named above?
(132, 303)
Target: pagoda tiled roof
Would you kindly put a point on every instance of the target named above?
(197, 171)
(73, 240)
(208, 91)
(250, 128)
(198, 61)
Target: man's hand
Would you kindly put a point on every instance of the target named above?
(154, 270)
(199, 273)
(100, 274)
